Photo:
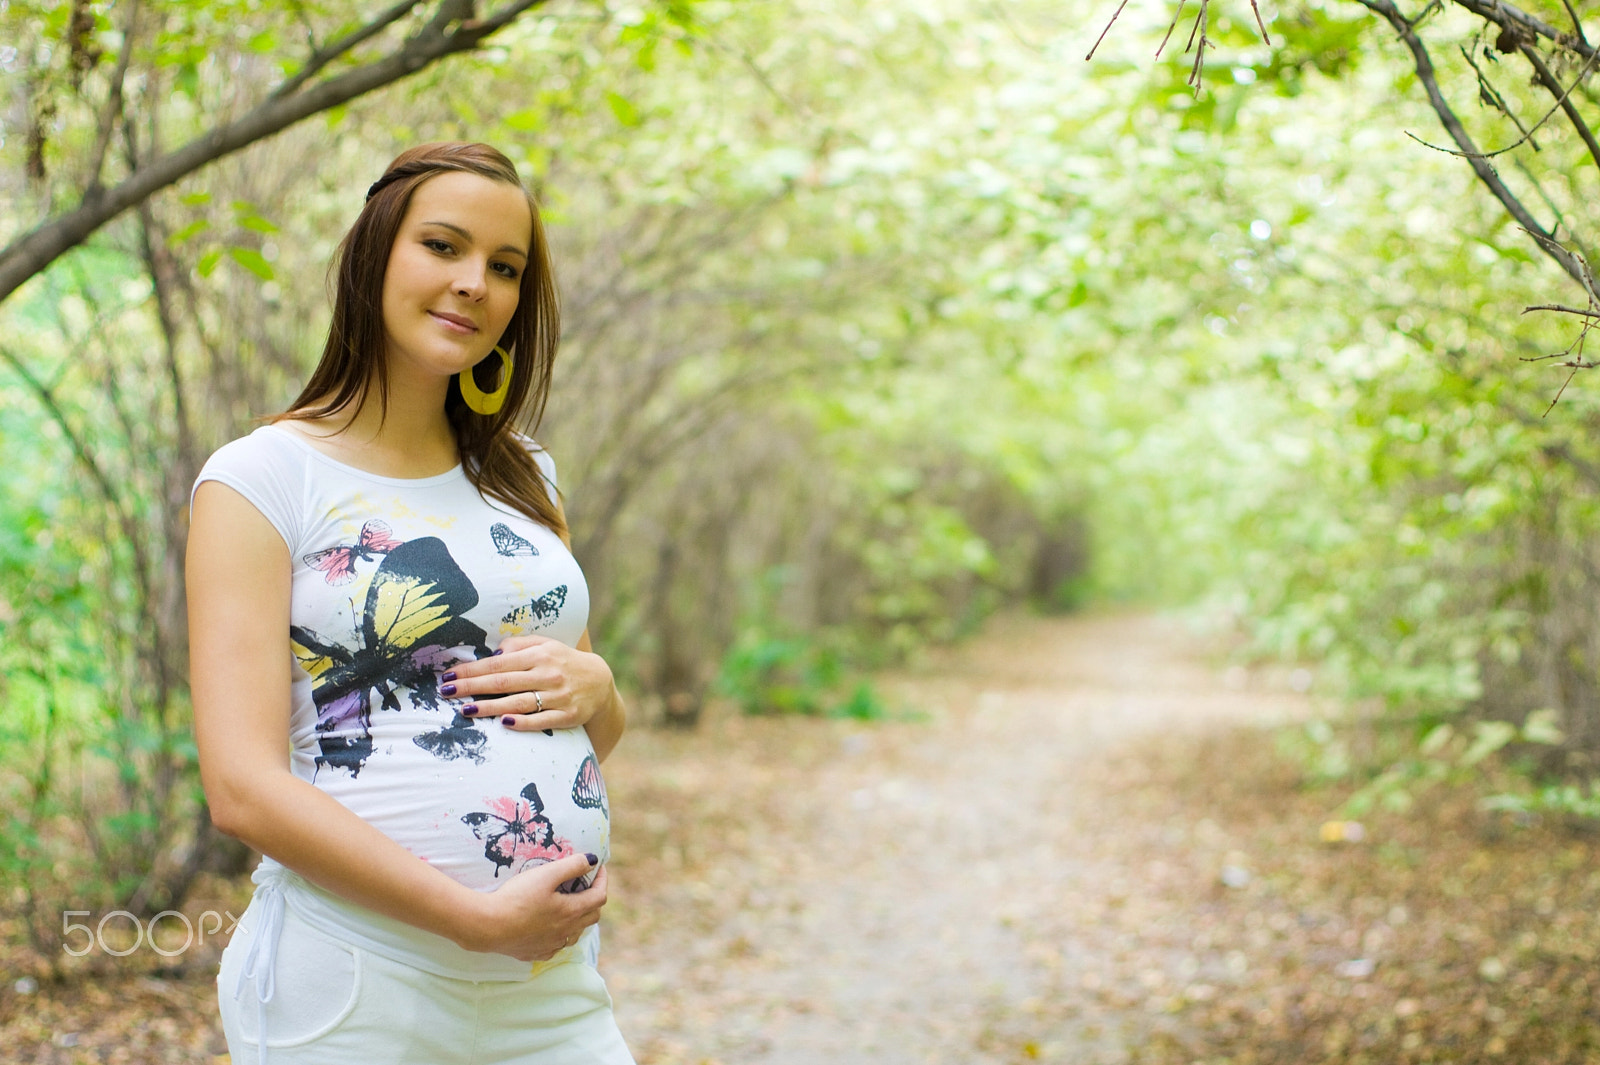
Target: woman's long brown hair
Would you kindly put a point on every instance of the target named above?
(493, 454)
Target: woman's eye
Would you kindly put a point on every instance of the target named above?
(506, 270)
(441, 246)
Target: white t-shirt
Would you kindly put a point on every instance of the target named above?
(394, 582)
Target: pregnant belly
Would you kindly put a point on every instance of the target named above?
(479, 812)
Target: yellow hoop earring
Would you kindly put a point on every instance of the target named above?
(477, 399)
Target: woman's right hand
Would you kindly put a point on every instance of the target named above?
(529, 918)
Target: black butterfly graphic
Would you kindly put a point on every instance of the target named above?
(541, 612)
(459, 739)
(516, 832)
(339, 563)
(589, 788)
(509, 543)
(409, 629)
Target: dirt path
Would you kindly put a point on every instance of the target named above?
(911, 891)
(1066, 855)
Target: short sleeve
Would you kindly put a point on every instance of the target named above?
(269, 472)
(546, 464)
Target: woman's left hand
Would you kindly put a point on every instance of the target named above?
(540, 684)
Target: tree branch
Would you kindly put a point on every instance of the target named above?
(1458, 133)
(1563, 101)
(321, 57)
(1577, 23)
(39, 247)
(1562, 308)
(1107, 30)
(1510, 17)
(1564, 96)
(1488, 94)
(113, 111)
(1582, 467)
(80, 450)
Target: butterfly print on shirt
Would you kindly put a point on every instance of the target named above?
(338, 564)
(410, 629)
(539, 613)
(589, 788)
(516, 832)
(509, 543)
(459, 739)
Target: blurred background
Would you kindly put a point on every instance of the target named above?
(907, 353)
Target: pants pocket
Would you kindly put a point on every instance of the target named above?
(316, 984)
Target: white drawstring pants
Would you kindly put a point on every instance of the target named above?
(330, 998)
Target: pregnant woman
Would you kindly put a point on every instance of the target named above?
(395, 700)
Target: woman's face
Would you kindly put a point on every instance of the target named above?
(454, 274)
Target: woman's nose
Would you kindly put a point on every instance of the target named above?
(472, 281)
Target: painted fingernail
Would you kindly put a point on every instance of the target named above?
(449, 676)
(447, 689)
(593, 859)
(469, 709)
(497, 653)
(508, 720)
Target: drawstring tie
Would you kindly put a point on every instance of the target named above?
(260, 961)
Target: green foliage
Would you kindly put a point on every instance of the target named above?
(1401, 762)
(772, 669)
(1577, 801)
(795, 675)
(863, 704)
(1313, 39)
(75, 779)
(1326, 437)
(774, 675)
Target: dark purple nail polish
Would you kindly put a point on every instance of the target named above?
(594, 859)
(449, 676)
(469, 709)
(497, 653)
(447, 689)
(508, 720)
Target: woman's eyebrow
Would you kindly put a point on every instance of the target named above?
(467, 236)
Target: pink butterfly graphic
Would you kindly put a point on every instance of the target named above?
(339, 563)
(517, 833)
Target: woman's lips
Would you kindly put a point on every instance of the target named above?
(453, 322)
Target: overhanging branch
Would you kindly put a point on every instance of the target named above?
(451, 30)
(1562, 309)
(1458, 133)
(1510, 17)
(328, 53)
(1564, 96)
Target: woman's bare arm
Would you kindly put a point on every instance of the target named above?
(606, 726)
